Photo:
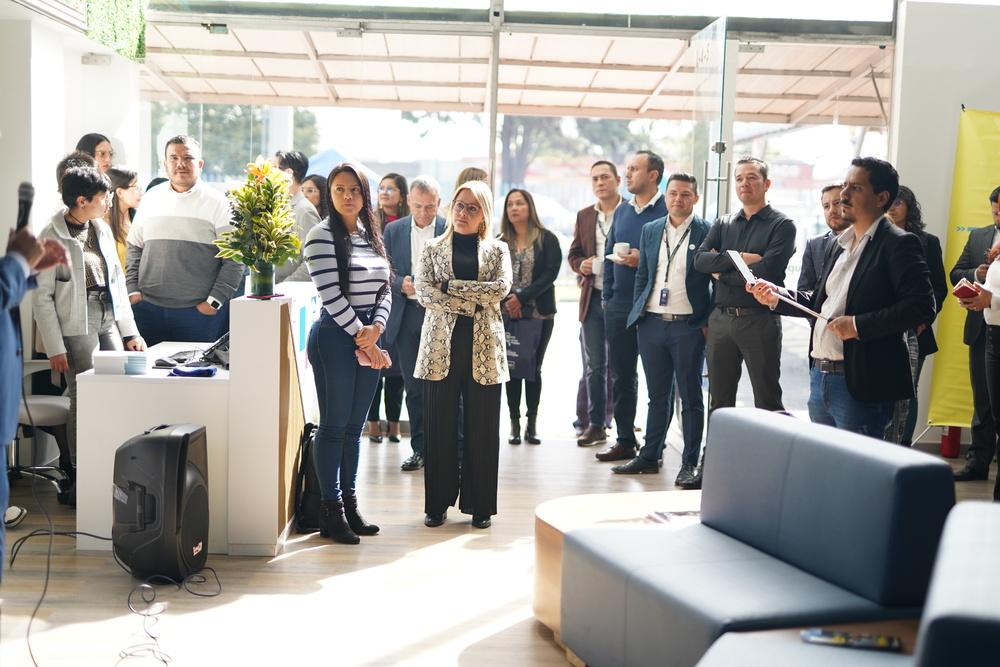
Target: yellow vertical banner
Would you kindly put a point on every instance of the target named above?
(977, 173)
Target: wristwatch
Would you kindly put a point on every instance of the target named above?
(213, 302)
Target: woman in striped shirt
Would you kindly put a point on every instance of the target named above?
(348, 265)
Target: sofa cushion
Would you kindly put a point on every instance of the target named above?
(654, 595)
(855, 511)
(752, 650)
(961, 622)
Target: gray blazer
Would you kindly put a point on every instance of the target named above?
(396, 236)
(973, 254)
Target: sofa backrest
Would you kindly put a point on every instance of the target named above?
(961, 622)
(860, 513)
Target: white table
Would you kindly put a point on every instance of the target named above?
(113, 408)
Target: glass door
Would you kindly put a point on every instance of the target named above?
(708, 148)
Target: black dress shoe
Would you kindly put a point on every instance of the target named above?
(637, 466)
(415, 462)
(972, 472)
(481, 521)
(694, 482)
(619, 451)
(393, 438)
(685, 476)
(435, 520)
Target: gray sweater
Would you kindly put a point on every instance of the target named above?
(171, 260)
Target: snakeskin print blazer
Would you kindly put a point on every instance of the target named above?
(479, 299)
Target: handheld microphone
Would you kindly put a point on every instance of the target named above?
(25, 197)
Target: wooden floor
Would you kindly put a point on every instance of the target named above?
(412, 595)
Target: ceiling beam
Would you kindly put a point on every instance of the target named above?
(522, 110)
(475, 85)
(838, 86)
(664, 79)
(179, 94)
(510, 62)
(320, 67)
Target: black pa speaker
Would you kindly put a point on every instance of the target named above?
(161, 502)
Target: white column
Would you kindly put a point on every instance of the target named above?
(15, 116)
(944, 58)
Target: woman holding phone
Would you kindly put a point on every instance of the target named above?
(348, 265)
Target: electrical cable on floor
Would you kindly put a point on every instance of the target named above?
(146, 590)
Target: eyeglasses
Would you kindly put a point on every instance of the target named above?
(471, 209)
(386, 189)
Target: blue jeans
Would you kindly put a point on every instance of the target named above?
(595, 346)
(157, 324)
(624, 362)
(4, 499)
(672, 351)
(830, 403)
(345, 391)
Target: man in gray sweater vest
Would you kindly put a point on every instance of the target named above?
(179, 289)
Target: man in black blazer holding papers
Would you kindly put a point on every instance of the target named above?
(875, 285)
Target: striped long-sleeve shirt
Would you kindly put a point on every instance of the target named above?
(368, 273)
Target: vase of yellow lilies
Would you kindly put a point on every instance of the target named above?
(263, 231)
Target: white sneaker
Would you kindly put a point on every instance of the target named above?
(14, 516)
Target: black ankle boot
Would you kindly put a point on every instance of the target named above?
(530, 435)
(354, 518)
(333, 524)
(515, 431)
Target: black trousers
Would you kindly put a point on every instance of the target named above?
(984, 434)
(754, 339)
(533, 388)
(476, 474)
(393, 397)
(623, 346)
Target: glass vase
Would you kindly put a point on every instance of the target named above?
(262, 280)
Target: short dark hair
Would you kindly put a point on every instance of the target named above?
(683, 177)
(757, 162)
(74, 159)
(156, 181)
(831, 186)
(183, 140)
(882, 175)
(88, 143)
(655, 162)
(610, 165)
(294, 160)
(995, 195)
(83, 182)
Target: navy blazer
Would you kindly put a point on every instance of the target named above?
(397, 246)
(699, 285)
(973, 254)
(812, 260)
(13, 285)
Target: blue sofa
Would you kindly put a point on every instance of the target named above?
(801, 525)
(960, 626)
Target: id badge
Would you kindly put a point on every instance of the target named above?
(664, 296)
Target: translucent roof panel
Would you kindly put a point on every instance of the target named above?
(843, 10)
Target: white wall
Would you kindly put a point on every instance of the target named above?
(50, 100)
(946, 56)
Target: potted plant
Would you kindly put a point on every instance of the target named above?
(263, 232)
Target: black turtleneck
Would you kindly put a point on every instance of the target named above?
(465, 256)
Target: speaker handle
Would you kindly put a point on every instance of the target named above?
(155, 428)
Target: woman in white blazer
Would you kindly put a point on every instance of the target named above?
(83, 307)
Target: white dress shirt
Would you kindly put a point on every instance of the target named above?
(677, 300)
(826, 345)
(601, 231)
(640, 209)
(418, 237)
(992, 283)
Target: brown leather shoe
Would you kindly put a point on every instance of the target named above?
(594, 435)
(619, 451)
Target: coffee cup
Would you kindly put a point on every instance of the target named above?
(621, 249)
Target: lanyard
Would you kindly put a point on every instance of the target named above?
(671, 253)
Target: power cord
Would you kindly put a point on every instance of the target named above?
(145, 590)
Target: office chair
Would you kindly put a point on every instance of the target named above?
(50, 415)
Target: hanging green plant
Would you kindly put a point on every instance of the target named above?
(263, 232)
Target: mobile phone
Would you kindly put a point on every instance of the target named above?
(852, 640)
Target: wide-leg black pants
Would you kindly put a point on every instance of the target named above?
(476, 475)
